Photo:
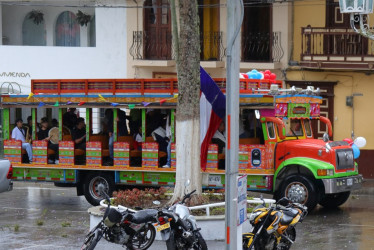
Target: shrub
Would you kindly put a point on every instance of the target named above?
(139, 198)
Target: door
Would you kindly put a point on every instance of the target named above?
(257, 32)
(327, 106)
(341, 44)
(157, 30)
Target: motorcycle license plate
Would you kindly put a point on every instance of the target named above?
(349, 182)
(163, 227)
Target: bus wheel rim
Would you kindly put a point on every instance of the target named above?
(297, 192)
(93, 186)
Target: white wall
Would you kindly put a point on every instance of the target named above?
(106, 60)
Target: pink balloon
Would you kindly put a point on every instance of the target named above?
(273, 76)
(349, 141)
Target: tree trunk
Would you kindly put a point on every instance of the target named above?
(187, 54)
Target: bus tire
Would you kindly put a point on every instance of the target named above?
(334, 200)
(91, 183)
(300, 189)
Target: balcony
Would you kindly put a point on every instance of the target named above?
(324, 48)
(144, 49)
(262, 47)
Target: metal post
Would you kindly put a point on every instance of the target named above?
(234, 20)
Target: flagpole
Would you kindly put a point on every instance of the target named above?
(235, 12)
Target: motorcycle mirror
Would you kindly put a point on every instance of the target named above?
(187, 183)
(156, 203)
(284, 201)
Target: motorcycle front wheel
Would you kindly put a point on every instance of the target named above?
(201, 244)
(143, 239)
(91, 240)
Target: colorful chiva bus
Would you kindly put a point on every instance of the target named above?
(277, 148)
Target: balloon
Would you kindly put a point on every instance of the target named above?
(356, 151)
(349, 141)
(360, 142)
(273, 76)
(266, 76)
(245, 76)
(258, 75)
(262, 75)
(267, 72)
(241, 76)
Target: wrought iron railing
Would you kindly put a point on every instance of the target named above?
(334, 43)
(143, 49)
(262, 47)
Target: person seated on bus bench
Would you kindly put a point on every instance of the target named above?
(164, 143)
(219, 138)
(121, 126)
(19, 133)
(70, 119)
(79, 134)
(43, 135)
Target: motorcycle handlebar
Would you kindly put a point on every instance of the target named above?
(188, 196)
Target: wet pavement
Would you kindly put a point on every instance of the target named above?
(42, 216)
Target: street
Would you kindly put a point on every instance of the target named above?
(42, 216)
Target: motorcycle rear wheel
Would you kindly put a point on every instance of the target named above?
(143, 239)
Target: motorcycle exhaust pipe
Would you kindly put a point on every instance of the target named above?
(186, 235)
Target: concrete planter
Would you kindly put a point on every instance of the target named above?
(212, 227)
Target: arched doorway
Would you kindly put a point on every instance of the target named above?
(157, 30)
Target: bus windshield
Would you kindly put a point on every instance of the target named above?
(293, 127)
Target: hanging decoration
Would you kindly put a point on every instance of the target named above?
(56, 104)
(41, 104)
(131, 106)
(114, 104)
(30, 95)
(81, 103)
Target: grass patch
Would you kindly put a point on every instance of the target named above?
(39, 222)
(16, 228)
(65, 224)
(64, 235)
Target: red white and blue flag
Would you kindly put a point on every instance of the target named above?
(212, 112)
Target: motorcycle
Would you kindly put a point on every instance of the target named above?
(274, 227)
(133, 230)
(179, 228)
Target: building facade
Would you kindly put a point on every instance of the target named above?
(328, 54)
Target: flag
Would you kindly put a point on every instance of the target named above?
(212, 112)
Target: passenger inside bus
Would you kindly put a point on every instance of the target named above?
(219, 138)
(163, 137)
(29, 125)
(138, 140)
(79, 134)
(294, 128)
(69, 119)
(43, 134)
(19, 133)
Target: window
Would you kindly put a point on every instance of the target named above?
(93, 32)
(67, 30)
(308, 129)
(293, 128)
(271, 130)
(33, 34)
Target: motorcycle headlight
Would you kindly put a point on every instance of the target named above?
(254, 215)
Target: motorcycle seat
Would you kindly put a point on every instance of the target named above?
(291, 212)
(143, 216)
(286, 220)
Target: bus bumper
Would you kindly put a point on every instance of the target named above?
(344, 184)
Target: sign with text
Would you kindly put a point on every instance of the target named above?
(242, 199)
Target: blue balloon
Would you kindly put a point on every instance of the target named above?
(356, 151)
(258, 75)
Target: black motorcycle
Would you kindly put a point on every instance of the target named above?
(132, 230)
(179, 228)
